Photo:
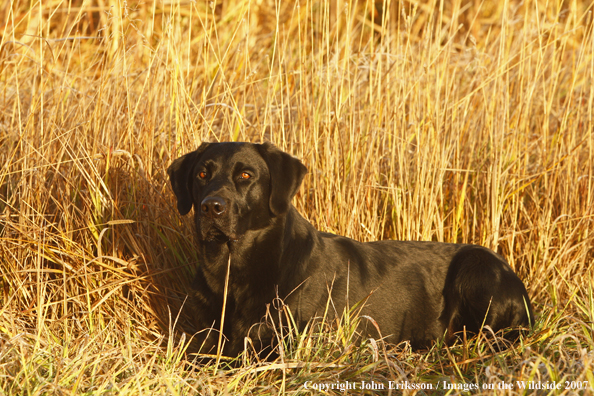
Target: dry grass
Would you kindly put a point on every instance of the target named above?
(447, 120)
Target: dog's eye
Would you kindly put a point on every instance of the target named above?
(244, 175)
(202, 175)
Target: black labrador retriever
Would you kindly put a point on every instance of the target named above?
(415, 291)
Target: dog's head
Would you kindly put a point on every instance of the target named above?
(234, 187)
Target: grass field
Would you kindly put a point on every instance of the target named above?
(447, 120)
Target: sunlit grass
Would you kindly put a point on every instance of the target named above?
(449, 121)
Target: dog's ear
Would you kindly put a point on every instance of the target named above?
(181, 178)
(286, 174)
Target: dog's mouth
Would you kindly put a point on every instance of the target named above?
(214, 233)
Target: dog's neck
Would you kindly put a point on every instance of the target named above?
(259, 258)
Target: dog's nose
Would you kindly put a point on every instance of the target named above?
(213, 206)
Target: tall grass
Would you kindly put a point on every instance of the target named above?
(442, 120)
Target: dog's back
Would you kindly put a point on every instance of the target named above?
(414, 290)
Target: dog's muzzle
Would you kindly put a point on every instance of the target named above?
(216, 222)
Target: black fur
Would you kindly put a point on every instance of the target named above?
(416, 291)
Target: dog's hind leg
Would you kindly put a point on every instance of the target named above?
(481, 290)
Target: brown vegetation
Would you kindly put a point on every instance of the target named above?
(449, 121)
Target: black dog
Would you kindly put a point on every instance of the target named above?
(416, 291)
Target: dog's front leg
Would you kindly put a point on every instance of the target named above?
(206, 309)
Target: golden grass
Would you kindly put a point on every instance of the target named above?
(448, 120)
